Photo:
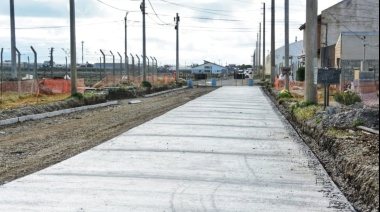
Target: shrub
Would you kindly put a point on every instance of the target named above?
(358, 123)
(304, 110)
(120, 93)
(284, 94)
(146, 84)
(301, 74)
(77, 95)
(347, 97)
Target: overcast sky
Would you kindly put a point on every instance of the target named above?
(220, 31)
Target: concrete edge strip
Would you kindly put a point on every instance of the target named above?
(164, 92)
(54, 113)
(368, 129)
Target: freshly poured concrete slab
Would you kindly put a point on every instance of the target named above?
(226, 151)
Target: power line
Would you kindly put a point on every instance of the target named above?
(156, 14)
(116, 8)
(66, 26)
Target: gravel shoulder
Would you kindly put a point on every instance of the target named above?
(349, 155)
(34, 145)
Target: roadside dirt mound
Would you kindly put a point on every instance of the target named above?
(349, 155)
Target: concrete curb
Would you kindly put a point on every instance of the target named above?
(164, 92)
(54, 113)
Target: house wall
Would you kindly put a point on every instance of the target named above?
(349, 67)
(354, 15)
(353, 47)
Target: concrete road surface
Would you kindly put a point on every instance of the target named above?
(226, 151)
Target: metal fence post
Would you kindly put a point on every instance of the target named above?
(113, 65)
(35, 63)
(1, 69)
(156, 67)
(100, 68)
(121, 67)
(148, 68)
(152, 67)
(133, 66)
(127, 65)
(104, 62)
(138, 64)
(18, 71)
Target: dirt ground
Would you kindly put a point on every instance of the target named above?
(34, 145)
(349, 155)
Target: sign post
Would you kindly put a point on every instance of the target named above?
(326, 77)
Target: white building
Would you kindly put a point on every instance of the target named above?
(209, 68)
(295, 49)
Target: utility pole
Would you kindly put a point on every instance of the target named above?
(142, 7)
(257, 54)
(13, 40)
(311, 50)
(264, 43)
(260, 47)
(73, 49)
(273, 48)
(125, 47)
(176, 19)
(82, 52)
(51, 62)
(287, 43)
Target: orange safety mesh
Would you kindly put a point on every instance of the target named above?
(61, 86)
(27, 86)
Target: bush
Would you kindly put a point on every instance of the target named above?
(347, 97)
(301, 74)
(146, 84)
(77, 95)
(120, 93)
(284, 94)
(304, 110)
